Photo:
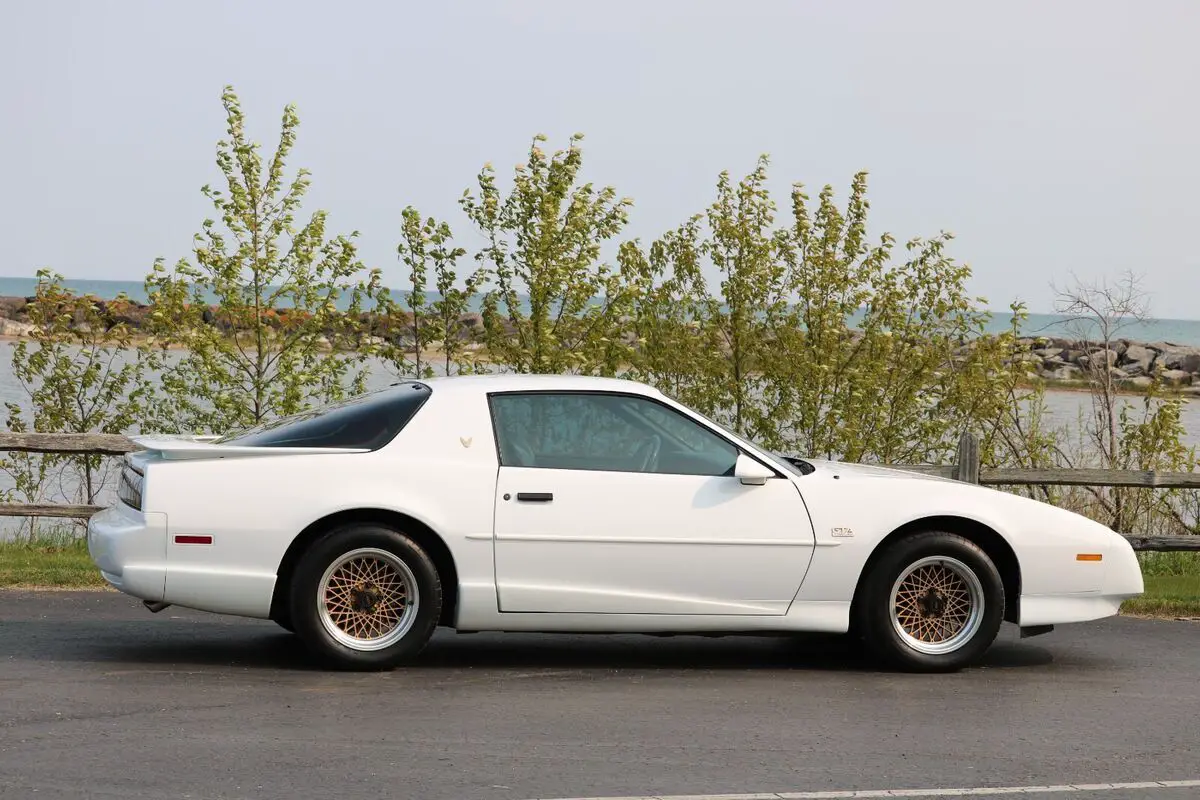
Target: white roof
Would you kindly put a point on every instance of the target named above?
(515, 382)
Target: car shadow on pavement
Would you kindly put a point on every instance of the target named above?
(197, 642)
(812, 652)
(157, 644)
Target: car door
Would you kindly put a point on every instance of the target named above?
(619, 504)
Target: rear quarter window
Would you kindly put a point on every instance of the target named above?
(364, 422)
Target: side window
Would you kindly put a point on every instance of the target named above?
(605, 432)
(366, 421)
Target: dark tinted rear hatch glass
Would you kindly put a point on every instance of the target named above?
(366, 421)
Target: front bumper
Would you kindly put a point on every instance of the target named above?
(1119, 578)
(130, 549)
(1123, 574)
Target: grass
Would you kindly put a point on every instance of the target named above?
(1172, 586)
(60, 560)
(1167, 596)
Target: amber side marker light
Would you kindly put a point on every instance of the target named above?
(1089, 557)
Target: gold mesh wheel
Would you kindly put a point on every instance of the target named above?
(937, 605)
(367, 599)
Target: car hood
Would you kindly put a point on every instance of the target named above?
(981, 501)
(851, 470)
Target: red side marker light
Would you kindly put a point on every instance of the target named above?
(192, 539)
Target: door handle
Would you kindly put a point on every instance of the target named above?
(535, 497)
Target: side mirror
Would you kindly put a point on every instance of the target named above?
(750, 472)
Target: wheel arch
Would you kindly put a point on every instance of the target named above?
(418, 531)
(984, 536)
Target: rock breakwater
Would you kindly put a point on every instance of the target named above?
(1132, 365)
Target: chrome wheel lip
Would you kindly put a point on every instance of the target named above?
(407, 618)
(975, 593)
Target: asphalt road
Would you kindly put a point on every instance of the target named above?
(99, 698)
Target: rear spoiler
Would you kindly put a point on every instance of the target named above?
(178, 448)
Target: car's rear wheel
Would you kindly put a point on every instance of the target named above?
(365, 597)
(932, 602)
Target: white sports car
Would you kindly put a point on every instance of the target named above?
(571, 504)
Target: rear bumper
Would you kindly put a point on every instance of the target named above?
(130, 549)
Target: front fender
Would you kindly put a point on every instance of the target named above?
(854, 515)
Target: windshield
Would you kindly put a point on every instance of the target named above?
(776, 458)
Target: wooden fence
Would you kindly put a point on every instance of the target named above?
(965, 468)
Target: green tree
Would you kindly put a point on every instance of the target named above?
(877, 369)
(1116, 436)
(673, 348)
(544, 240)
(717, 350)
(427, 246)
(1021, 434)
(80, 373)
(815, 340)
(1154, 440)
(257, 315)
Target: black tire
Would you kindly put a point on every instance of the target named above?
(877, 622)
(378, 545)
(284, 620)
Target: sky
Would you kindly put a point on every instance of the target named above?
(1056, 141)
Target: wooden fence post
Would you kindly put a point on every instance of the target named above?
(967, 466)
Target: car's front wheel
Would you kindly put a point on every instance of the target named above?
(365, 597)
(932, 602)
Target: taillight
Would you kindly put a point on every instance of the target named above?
(129, 487)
